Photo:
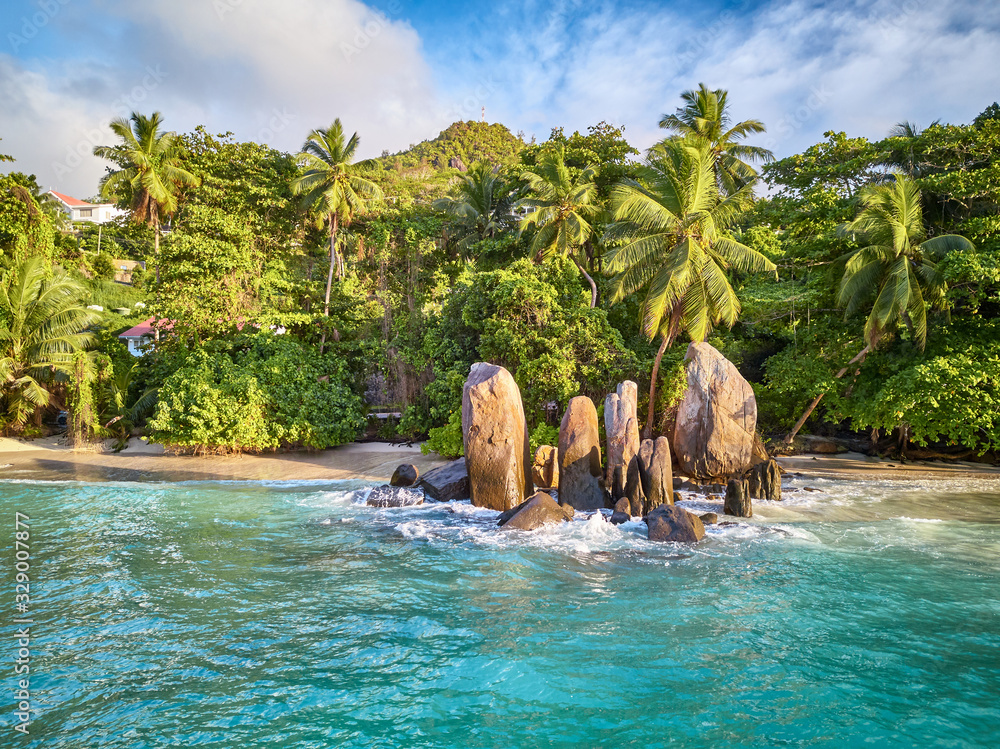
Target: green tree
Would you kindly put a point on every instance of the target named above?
(896, 273)
(671, 234)
(333, 187)
(481, 205)
(562, 207)
(705, 120)
(150, 176)
(45, 324)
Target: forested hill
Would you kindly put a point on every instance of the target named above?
(466, 141)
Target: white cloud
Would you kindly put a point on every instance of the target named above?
(267, 71)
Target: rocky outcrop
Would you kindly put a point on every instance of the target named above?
(538, 510)
(545, 469)
(763, 481)
(495, 437)
(673, 523)
(655, 474)
(622, 430)
(395, 496)
(580, 484)
(716, 419)
(405, 475)
(709, 518)
(737, 501)
(447, 483)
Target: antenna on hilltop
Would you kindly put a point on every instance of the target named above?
(484, 115)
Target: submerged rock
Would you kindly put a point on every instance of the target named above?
(580, 484)
(495, 436)
(545, 469)
(405, 475)
(395, 496)
(538, 510)
(714, 436)
(673, 523)
(448, 482)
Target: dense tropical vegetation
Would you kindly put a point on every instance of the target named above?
(856, 285)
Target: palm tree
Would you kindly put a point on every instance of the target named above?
(671, 226)
(123, 413)
(895, 272)
(332, 188)
(482, 204)
(904, 157)
(704, 118)
(562, 207)
(46, 325)
(151, 174)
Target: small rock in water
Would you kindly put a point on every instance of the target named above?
(738, 501)
(811, 489)
(448, 482)
(617, 518)
(537, 510)
(709, 518)
(395, 496)
(673, 523)
(404, 475)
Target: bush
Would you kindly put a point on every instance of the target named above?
(266, 392)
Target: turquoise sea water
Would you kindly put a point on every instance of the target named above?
(291, 615)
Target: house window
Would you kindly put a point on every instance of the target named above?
(86, 212)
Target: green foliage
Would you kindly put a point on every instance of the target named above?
(543, 434)
(256, 393)
(468, 142)
(25, 230)
(104, 267)
(446, 440)
(42, 327)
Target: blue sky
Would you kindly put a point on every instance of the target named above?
(399, 71)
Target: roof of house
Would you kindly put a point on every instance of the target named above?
(145, 328)
(73, 202)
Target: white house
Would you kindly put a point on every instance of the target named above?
(139, 338)
(81, 210)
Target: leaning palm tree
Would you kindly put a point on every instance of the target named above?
(562, 206)
(705, 119)
(895, 273)
(46, 325)
(671, 233)
(481, 205)
(333, 188)
(151, 175)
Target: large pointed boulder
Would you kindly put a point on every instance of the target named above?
(622, 430)
(580, 475)
(716, 419)
(495, 436)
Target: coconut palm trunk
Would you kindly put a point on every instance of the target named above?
(593, 286)
(333, 263)
(647, 431)
(815, 402)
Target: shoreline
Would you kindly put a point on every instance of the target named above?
(48, 460)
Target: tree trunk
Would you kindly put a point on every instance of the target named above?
(156, 247)
(333, 263)
(812, 406)
(593, 286)
(647, 432)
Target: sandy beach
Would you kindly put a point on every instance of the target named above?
(48, 459)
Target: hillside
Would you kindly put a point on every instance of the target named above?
(465, 141)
